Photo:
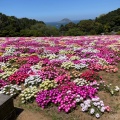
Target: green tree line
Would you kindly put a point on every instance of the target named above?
(105, 23)
(12, 26)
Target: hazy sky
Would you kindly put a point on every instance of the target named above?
(55, 10)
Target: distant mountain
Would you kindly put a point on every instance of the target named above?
(58, 24)
(65, 20)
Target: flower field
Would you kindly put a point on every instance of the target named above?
(70, 73)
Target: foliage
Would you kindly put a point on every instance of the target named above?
(12, 26)
(105, 23)
(118, 33)
(110, 20)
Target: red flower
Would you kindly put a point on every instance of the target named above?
(90, 75)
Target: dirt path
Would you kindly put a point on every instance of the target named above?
(30, 115)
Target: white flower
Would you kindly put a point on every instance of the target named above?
(90, 49)
(102, 104)
(78, 96)
(88, 101)
(89, 105)
(62, 57)
(82, 105)
(86, 107)
(92, 110)
(7, 93)
(81, 98)
(112, 92)
(96, 99)
(22, 98)
(83, 109)
(117, 88)
(32, 80)
(102, 109)
(93, 99)
(95, 103)
(23, 101)
(69, 91)
(77, 100)
(97, 115)
(98, 103)
(98, 106)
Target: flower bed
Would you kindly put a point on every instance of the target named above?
(63, 71)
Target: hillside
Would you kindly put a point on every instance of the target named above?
(111, 19)
(106, 23)
(12, 26)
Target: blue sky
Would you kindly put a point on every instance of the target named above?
(56, 10)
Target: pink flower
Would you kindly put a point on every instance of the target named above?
(107, 108)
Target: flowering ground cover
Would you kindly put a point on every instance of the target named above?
(70, 74)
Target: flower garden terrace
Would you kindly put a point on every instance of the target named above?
(65, 71)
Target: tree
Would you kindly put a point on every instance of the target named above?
(74, 32)
(86, 25)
